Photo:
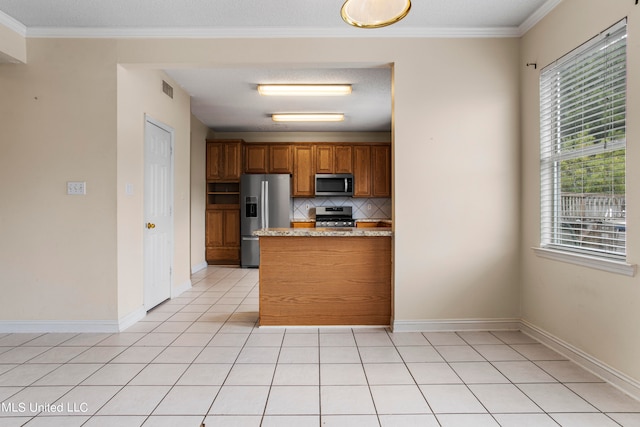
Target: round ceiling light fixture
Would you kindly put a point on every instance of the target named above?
(374, 13)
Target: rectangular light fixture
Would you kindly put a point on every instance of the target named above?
(315, 117)
(304, 89)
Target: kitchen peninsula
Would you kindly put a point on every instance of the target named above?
(325, 276)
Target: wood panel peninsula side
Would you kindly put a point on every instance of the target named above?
(316, 277)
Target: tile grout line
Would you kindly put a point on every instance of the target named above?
(235, 319)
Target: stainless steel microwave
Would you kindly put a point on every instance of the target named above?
(340, 184)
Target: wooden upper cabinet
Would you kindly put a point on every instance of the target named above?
(224, 160)
(232, 165)
(268, 158)
(280, 158)
(214, 156)
(343, 159)
(325, 159)
(303, 171)
(255, 158)
(362, 171)
(334, 158)
(381, 171)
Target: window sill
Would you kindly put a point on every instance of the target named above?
(618, 267)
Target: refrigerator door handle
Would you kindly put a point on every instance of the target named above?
(250, 238)
(266, 213)
(262, 203)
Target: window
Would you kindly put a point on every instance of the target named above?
(583, 148)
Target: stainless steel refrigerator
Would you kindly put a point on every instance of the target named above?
(265, 202)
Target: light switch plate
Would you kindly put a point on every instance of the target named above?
(76, 188)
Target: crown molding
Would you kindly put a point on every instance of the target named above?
(257, 32)
(537, 16)
(281, 32)
(13, 24)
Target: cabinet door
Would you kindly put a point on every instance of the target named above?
(280, 159)
(231, 227)
(214, 160)
(232, 161)
(222, 236)
(362, 171)
(343, 162)
(255, 158)
(324, 159)
(381, 171)
(215, 228)
(304, 171)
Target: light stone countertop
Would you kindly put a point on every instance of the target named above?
(324, 232)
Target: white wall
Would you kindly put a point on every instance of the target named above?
(58, 124)
(594, 311)
(455, 151)
(456, 181)
(198, 192)
(140, 93)
(72, 114)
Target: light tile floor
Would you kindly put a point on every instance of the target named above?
(201, 358)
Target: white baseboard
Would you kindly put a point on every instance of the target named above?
(58, 326)
(452, 325)
(131, 318)
(616, 378)
(199, 267)
(176, 291)
(78, 326)
(82, 326)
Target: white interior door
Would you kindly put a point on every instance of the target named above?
(158, 212)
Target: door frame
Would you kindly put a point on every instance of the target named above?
(150, 120)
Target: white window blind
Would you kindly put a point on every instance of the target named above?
(583, 148)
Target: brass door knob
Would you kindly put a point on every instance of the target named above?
(150, 225)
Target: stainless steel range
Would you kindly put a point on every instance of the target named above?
(334, 216)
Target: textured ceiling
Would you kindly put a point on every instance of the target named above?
(251, 15)
(226, 99)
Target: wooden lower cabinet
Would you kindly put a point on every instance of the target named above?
(325, 281)
(303, 224)
(223, 236)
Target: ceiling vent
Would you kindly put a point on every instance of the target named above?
(167, 89)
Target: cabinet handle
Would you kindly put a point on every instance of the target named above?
(150, 225)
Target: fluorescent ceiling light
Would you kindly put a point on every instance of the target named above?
(315, 117)
(304, 90)
(374, 13)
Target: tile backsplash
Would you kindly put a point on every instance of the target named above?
(378, 208)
